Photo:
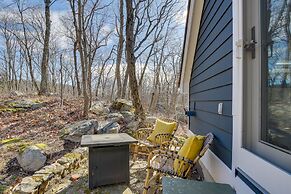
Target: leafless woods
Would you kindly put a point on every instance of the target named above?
(94, 49)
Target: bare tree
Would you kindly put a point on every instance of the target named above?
(120, 48)
(102, 70)
(9, 53)
(130, 42)
(45, 54)
(90, 36)
(26, 43)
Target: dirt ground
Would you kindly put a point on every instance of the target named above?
(35, 126)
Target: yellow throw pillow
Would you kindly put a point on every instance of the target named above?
(161, 127)
(189, 150)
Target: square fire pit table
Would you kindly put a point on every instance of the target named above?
(108, 158)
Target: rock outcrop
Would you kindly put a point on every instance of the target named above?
(108, 127)
(114, 117)
(122, 105)
(99, 108)
(127, 116)
(73, 132)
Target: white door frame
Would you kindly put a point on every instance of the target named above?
(270, 177)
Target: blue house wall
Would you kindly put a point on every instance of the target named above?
(211, 78)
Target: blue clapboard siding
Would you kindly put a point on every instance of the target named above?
(211, 78)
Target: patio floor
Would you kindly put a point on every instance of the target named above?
(69, 185)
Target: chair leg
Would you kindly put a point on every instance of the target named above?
(135, 153)
(154, 183)
(157, 182)
(147, 181)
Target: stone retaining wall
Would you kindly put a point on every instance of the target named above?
(40, 180)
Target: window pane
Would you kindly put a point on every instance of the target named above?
(276, 55)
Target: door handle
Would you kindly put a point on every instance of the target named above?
(251, 45)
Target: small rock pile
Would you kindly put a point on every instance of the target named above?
(111, 119)
(73, 132)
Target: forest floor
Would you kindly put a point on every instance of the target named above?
(38, 126)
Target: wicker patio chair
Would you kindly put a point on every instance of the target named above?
(144, 147)
(161, 163)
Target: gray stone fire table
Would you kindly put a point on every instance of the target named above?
(108, 158)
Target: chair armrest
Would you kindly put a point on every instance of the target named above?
(173, 155)
(164, 138)
(142, 133)
(164, 152)
(144, 129)
(177, 142)
(168, 142)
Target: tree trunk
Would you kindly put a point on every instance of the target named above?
(112, 89)
(131, 61)
(124, 85)
(156, 85)
(82, 59)
(45, 55)
(61, 75)
(119, 50)
(76, 69)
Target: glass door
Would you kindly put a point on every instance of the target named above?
(267, 85)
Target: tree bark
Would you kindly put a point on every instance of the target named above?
(119, 49)
(82, 59)
(124, 85)
(139, 111)
(76, 69)
(156, 86)
(62, 85)
(45, 55)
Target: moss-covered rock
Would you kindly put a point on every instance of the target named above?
(10, 109)
(41, 146)
(23, 145)
(122, 105)
(20, 105)
(9, 141)
(72, 155)
(3, 188)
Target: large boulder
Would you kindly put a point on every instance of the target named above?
(122, 105)
(31, 158)
(73, 132)
(127, 116)
(24, 104)
(108, 127)
(99, 108)
(114, 117)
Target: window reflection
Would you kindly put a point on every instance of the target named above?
(276, 56)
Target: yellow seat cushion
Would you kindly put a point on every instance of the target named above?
(161, 127)
(189, 150)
